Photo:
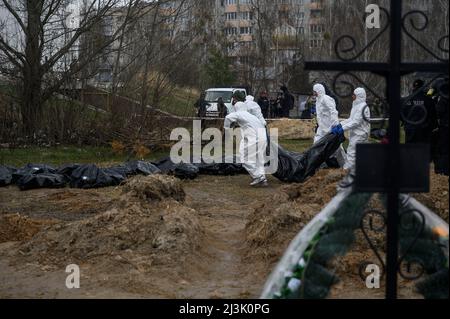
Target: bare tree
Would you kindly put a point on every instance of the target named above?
(42, 41)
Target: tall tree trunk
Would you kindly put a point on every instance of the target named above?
(32, 73)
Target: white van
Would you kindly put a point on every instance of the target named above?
(212, 95)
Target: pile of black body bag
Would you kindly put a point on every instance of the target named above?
(297, 167)
(292, 167)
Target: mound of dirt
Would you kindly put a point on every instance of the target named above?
(155, 187)
(14, 227)
(272, 225)
(149, 226)
(319, 189)
(293, 129)
(437, 198)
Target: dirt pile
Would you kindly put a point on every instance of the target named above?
(272, 225)
(293, 129)
(156, 187)
(437, 198)
(317, 190)
(14, 227)
(149, 227)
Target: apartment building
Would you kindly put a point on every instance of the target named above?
(291, 28)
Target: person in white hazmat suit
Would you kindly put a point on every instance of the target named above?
(254, 109)
(358, 126)
(253, 142)
(327, 118)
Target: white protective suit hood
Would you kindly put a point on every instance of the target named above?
(361, 96)
(249, 98)
(319, 89)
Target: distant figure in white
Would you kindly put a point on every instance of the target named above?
(358, 126)
(327, 118)
(253, 140)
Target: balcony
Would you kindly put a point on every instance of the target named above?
(231, 8)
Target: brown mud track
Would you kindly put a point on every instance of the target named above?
(213, 237)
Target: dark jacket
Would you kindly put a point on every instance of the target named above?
(419, 117)
(264, 103)
(287, 101)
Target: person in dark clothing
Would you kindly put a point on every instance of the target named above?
(309, 110)
(222, 108)
(273, 110)
(264, 103)
(286, 101)
(201, 105)
(418, 115)
(276, 105)
(440, 135)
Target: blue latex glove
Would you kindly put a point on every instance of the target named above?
(337, 130)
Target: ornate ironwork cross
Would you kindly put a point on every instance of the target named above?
(392, 71)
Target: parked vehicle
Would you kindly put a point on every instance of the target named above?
(213, 95)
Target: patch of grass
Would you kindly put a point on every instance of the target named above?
(103, 155)
(180, 103)
(68, 154)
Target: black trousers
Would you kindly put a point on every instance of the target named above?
(417, 136)
(440, 155)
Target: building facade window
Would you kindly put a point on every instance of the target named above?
(230, 31)
(246, 30)
(247, 15)
(231, 16)
(315, 43)
(316, 28)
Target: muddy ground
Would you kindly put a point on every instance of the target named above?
(213, 237)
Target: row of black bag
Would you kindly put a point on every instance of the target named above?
(87, 176)
(292, 168)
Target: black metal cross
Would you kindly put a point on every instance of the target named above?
(392, 71)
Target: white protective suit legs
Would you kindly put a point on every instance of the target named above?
(359, 127)
(350, 160)
(252, 153)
